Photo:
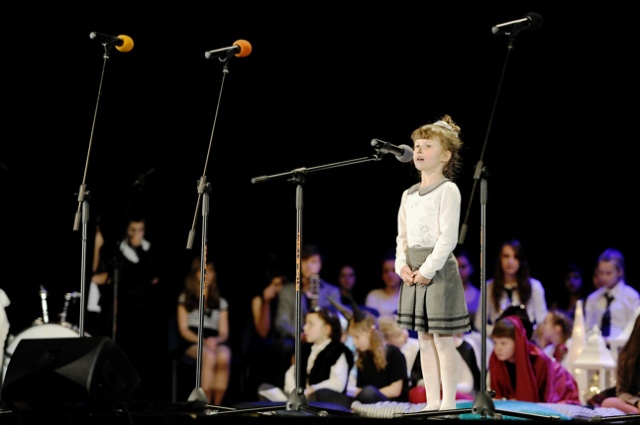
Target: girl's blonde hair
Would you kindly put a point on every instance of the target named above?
(561, 318)
(377, 345)
(448, 132)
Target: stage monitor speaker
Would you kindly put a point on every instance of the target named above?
(66, 373)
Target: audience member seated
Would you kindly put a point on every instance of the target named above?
(385, 299)
(215, 354)
(325, 361)
(574, 288)
(555, 335)
(381, 368)
(261, 336)
(520, 370)
(314, 292)
(347, 279)
(613, 304)
(395, 335)
(512, 284)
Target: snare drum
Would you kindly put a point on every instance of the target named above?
(37, 331)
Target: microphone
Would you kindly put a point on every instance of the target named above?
(240, 48)
(531, 21)
(403, 153)
(124, 43)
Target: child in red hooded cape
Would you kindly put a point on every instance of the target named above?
(520, 370)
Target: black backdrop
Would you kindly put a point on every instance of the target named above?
(320, 83)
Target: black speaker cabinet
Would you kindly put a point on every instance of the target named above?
(64, 373)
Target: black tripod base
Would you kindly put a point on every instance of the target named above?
(445, 414)
(273, 409)
(296, 405)
(198, 398)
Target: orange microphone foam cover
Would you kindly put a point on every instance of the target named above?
(245, 48)
(127, 43)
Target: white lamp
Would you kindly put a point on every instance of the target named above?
(578, 341)
(578, 336)
(595, 358)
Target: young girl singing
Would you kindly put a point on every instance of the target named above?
(432, 298)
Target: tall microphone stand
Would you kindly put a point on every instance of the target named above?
(483, 402)
(82, 214)
(204, 188)
(297, 402)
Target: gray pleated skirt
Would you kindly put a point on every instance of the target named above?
(438, 308)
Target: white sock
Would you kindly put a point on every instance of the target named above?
(430, 370)
(446, 349)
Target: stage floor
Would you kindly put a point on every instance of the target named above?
(141, 413)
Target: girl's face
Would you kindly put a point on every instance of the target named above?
(276, 284)
(429, 155)
(504, 349)
(465, 268)
(315, 329)
(347, 278)
(390, 278)
(361, 339)
(209, 274)
(573, 282)
(508, 261)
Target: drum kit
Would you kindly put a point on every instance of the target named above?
(43, 328)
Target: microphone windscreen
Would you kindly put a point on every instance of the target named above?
(535, 21)
(127, 43)
(407, 154)
(245, 48)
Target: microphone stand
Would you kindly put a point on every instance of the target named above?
(198, 394)
(297, 402)
(204, 188)
(483, 402)
(82, 213)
